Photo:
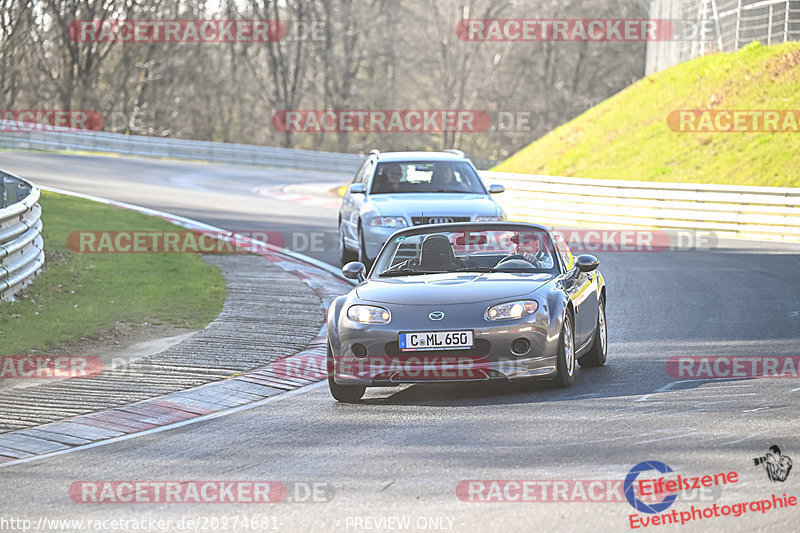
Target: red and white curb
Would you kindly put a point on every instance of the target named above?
(211, 400)
(282, 194)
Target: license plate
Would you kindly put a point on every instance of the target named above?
(435, 340)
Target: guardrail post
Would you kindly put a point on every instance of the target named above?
(769, 27)
(738, 23)
(786, 22)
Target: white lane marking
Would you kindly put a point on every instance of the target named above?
(794, 390)
(203, 418)
(745, 438)
(669, 386)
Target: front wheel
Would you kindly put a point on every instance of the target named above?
(342, 393)
(362, 250)
(565, 361)
(596, 356)
(345, 255)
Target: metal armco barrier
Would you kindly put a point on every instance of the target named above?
(98, 141)
(766, 213)
(215, 152)
(21, 244)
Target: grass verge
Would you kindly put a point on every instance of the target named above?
(627, 137)
(81, 295)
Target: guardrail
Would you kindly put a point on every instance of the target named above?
(21, 244)
(771, 213)
(215, 152)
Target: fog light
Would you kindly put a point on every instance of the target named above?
(520, 346)
(359, 350)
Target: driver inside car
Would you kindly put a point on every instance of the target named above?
(527, 247)
(444, 178)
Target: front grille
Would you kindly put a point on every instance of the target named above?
(481, 348)
(433, 219)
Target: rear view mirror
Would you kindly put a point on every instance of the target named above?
(356, 188)
(471, 240)
(354, 270)
(496, 189)
(586, 262)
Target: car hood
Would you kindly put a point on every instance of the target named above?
(414, 205)
(452, 288)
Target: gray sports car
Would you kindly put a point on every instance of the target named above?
(467, 302)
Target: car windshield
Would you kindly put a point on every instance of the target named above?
(426, 176)
(523, 250)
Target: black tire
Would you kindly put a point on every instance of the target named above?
(342, 393)
(599, 351)
(345, 255)
(565, 361)
(362, 250)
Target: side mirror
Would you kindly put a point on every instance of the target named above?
(357, 188)
(496, 189)
(587, 263)
(355, 270)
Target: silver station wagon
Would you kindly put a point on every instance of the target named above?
(396, 190)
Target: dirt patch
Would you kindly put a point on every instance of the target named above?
(786, 63)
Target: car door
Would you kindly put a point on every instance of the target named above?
(582, 290)
(351, 204)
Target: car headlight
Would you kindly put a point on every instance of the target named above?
(493, 218)
(512, 310)
(388, 222)
(368, 314)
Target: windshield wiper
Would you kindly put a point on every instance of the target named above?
(525, 270)
(406, 272)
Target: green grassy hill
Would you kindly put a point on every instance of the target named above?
(627, 136)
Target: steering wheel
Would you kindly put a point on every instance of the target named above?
(510, 258)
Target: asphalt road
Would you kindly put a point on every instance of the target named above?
(395, 461)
